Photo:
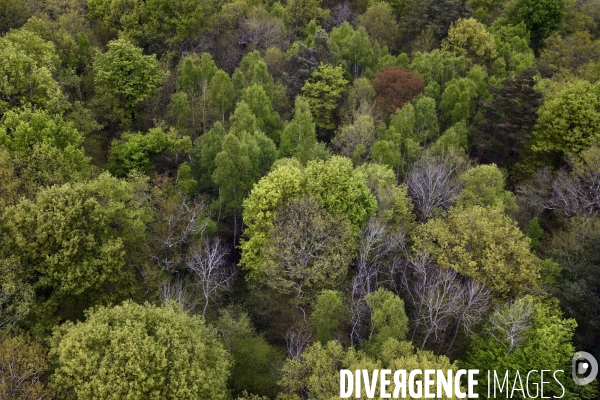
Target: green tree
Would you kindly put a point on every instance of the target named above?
(27, 65)
(356, 141)
(458, 100)
(299, 138)
(44, 149)
(254, 360)
(352, 48)
(205, 150)
(222, 94)
(308, 250)
(300, 12)
(133, 150)
(195, 75)
(323, 91)
(543, 343)
(259, 103)
(124, 77)
(327, 314)
(316, 375)
(483, 185)
(541, 17)
(470, 39)
(569, 120)
(335, 186)
(388, 320)
(380, 23)
(155, 25)
(13, 14)
(137, 351)
(482, 243)
(78, 241)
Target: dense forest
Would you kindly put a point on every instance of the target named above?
(235, 199)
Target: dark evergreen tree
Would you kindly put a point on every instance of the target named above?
(508, 120)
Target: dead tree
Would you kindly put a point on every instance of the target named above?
(208, 262)
(433, 183)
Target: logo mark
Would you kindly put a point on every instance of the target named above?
(585, 368)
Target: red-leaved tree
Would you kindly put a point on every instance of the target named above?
(396, 87)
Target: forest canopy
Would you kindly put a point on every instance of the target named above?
(235, 199)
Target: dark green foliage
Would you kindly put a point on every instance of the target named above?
(508, 120)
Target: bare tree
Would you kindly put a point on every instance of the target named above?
(177, 224)
(380, 253)
(181, 292)
(296, 340)
(433, 182)
(509, 323)
(341, 13)
(443, 302)
(260, 32)
(208, 262)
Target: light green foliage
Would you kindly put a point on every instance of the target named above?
(328, 314)
(436, 68)
(333, 184)
(359, 100)
(254, 366)
(356, 141)
(77, 241)
(483, 243)
(398, 146)
(16, 294)
(24, 133)
(317, 376)
(139, 351)
(151, 22)
(569, 120)
(513, 47)
(426, 122)
(453, 140)
(458, 100)
(124, 77)
(483, 185)
(133, 150)
(246, 155)
(255, 72)
(324, 91)
(308, 249)
(242, 119)
(44, 148)
(388, 320)
(352, 48)
(469, 38)
(222, 94)
(195, 74)
(298, 138)
(393, 204)
(27, 63)
(545, 343)
(259, 103)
